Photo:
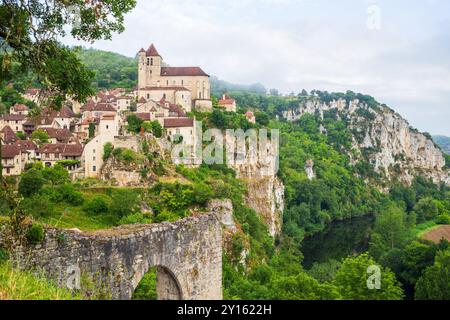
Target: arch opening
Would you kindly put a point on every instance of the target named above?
(159, 283)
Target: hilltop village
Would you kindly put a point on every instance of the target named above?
(75, 135)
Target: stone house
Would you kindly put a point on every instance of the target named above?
(59, 135)
(250, 117)
(11, 160)
(157, 79)
(228, 103)
(98, 110)
(28, 146)
(52, 153)
(19, 109)
(108, 128)
(14, 121)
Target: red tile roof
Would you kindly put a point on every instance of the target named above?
(20, 107)
(226, 102)
(68, 150)
(183, 71)
(8, 135)
(10, 151)
(178, 123)
(152, 52)
(59, 134)
(99, 107)
(26, 145)
(13, 117)
(144, 116)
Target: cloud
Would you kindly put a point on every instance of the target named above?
(296, 44)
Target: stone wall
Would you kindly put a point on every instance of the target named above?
(187, 253)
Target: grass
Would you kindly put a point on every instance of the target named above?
(23, 285)
(423, 228)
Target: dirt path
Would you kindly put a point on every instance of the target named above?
(436, 235)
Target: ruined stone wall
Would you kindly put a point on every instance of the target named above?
(188, 254)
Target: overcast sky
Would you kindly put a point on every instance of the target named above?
(395, 50)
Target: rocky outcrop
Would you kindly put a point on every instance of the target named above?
(383, 138)
(265, 191)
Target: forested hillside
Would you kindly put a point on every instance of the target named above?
(112, 70)
(443, 142)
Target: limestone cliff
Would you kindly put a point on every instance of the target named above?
(265, 191)
(381, 137)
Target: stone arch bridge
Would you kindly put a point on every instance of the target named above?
(187, 254)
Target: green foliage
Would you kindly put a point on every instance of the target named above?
(35, 234)
(390, 231)
(40, 136)
(31, 182)
(112, 70)
(3, 255)
(435, 282)
(146, 290)
(127, 156)
(326, 271)
(91, 129)
(38, 206)
(107, 150)
(25, 285)
(351, 281)
(97, 205)
(134, 123)
(124, 202)
(428, 209)
(30, 32)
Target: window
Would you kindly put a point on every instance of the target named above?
(94, 168)
(107, 127)
(93, 158)
(164, 96)
(167, 83)
(151, 61)
(148, 61)
(182, 82)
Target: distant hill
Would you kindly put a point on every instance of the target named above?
(220, 86)
(443, 142)
(112, 70)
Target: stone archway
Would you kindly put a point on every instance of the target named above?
(188, 254)
(167, 285)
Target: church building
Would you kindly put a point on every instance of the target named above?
(188, 87)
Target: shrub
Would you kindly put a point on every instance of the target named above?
(35, 234)
(443, 219)
(39, 205)
(3, 255)
(107, 150)
(136, 218)
(124, 202)
(70, 195)
(96, 205)
(31, 182)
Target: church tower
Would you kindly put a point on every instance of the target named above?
(150, 63)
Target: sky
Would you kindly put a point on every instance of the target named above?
(396, 50)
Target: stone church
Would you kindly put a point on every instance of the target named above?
(185, 86)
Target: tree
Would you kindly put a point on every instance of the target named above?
(40, 136)
(262, 118)
(427, 209)
(157, 129)
(31, 182)
(91, 129)
(30, 31)
(107, 150)
(390, 231)
(352, 281)
(134, 123)
(435, 282)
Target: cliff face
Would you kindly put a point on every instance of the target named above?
(265, 192)
(383, 138)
